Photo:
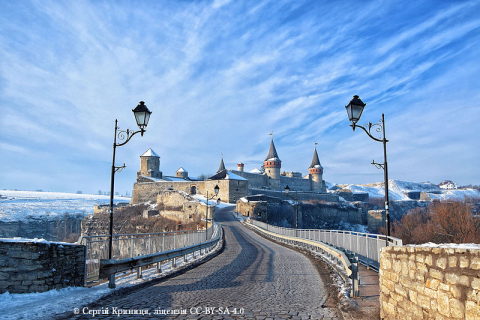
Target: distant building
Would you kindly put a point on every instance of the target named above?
(448, 184)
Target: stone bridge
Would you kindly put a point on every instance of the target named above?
(253, 278)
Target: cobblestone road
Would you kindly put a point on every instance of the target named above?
(253, 277)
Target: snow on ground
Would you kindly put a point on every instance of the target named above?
(24, 205)
(398, 188)
(475, 246)
(35, 240)
(221, 205)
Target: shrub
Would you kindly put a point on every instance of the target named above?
(440, 222)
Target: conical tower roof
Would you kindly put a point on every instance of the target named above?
(272, 153)
(150, 153)
(222, 166)
(315, 161)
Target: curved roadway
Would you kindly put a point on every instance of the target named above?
(253, 277)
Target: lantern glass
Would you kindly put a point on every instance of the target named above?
(355, 109)
(216, 189)
(142, 115)
(287, 189)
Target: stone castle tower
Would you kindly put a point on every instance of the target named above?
(150, 165)
(316, 172)
(181, 173)
(272, 165)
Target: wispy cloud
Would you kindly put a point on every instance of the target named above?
(220, 75)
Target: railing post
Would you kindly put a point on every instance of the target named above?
(149, 244)
(174, 244)
(366, 245)
(188, 243)
(111, 281)
(355, 278)
(159, 267)
(132, 244)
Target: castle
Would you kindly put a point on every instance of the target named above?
(272, 179)
(233, 184)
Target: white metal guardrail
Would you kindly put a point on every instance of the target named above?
(134, 245)
(366, 246)
(108, 268)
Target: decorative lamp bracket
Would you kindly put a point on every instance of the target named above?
(119, 169)
(126, 135)
(378, 127)
(378, 165)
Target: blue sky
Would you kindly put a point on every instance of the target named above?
(219, 76)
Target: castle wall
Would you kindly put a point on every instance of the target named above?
(327, 215)
(230, 190)
(148, 191)
(302, 196)
(292, 174)
(255, 180)
(295, 184)
(310, 215)
(375, 220)
(258, 181)
(251, 208)
(181, 207)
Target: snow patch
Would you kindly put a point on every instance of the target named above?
(27, 205)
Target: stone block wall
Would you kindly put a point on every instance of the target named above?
(254, 180)
(251, 208)
(430, 283)
(375, 220)
(148, 191)
(295, 184)
(180, 206)
(29, 266)
(302, 196)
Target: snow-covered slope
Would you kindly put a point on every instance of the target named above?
(24, 205)
(398, 190)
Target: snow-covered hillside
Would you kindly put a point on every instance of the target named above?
(398, 190)
(24, 205)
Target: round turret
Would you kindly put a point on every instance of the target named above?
(240, 166)
(272, 163)
(316, 172)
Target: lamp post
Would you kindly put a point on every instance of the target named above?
(354, 111)
(287, 191)
(216, 190)
(142, 115)
(235, 200)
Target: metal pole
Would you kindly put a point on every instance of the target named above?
(110, 245)
(296, 214)
(206, 221)
(267, 215)
(387, 214)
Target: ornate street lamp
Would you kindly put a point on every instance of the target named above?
(142, 115)
(216, 190)
(287, 191)
(354, 111)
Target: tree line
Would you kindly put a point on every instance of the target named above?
(440, 222)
